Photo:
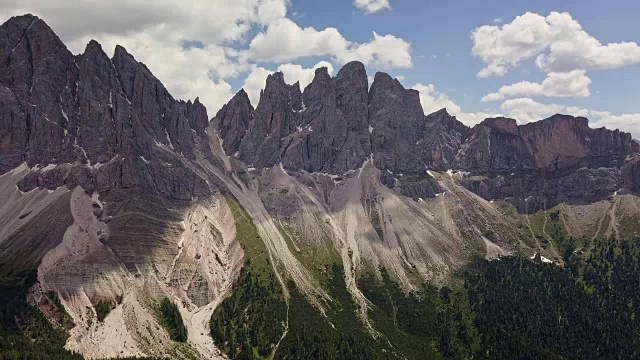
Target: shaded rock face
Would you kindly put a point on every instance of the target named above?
(397, 119)
(337, 124)
(494, 145)
(332, 135)
(275, 118)
(324, 129)
(530, 191)
(441, 140)
(233, 121)
(538, 165)
(631, 174)
(92, 121)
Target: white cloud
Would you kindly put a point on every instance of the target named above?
(572, 84)
(257, 78)
(385, 51)
(625, 122)
(293, 73)
(498, 20)
(433, 100)
(254, 83)
(371, 6)
(557, 41)
(526, 110)
(300, 42)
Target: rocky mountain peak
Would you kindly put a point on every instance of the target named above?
(502, 123)
(232, 121)
(397, 121)
(89, 120)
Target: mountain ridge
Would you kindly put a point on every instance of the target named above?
(115, 196)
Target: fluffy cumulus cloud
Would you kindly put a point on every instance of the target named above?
(196, 48)
(557, 41)
(385, 51)
(526, 110)
(432, 100)
(257, 78)
(371, 6)
(571, 84)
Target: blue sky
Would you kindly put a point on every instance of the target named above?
(477, 58)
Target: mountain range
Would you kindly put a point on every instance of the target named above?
(114, 194)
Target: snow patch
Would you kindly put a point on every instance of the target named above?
(282, 168)
(542, 258)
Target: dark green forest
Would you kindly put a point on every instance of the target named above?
(170, 318)
(511, 308)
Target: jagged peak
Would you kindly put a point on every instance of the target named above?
(241, 97)
(322, 71)
(382, 76)
(94, 48)
(23, 21)
(441, 112)
(120, 51)
(353, 66)
(387, 82)
(275, 78)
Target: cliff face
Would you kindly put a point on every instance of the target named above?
(110, 123)
(332, 134)
(339, 125)
(92, 121)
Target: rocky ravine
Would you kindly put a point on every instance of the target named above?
(117, 191)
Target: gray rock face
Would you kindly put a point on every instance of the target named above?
(233, 121)
(441, 140)
(333, 133)
(38, 75)
(494, 145)
(324, 129)
(92, 121)
(397, 119)
(338, 123)
(110, 124)
(275, 118)
(541, 164)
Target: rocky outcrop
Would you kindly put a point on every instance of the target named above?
(324, 129)
(563, 141)
(397, 122)
(332, 135)
(111, 124)
(337, 124)
(232, 121)
(441, 140)
(541, 164)
(92, 121)
(275, 118)
(494, 145)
